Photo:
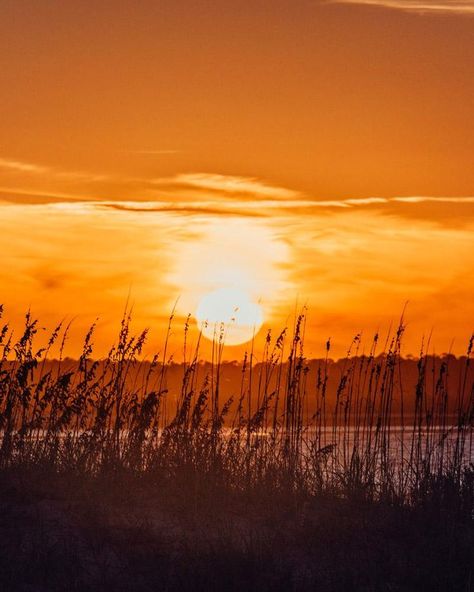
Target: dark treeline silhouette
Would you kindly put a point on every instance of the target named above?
(446, 373)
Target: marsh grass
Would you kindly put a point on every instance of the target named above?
(279, 448)
(277, 427)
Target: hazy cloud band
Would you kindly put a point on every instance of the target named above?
(421, 6)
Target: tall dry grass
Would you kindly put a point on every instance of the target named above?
(277, 431)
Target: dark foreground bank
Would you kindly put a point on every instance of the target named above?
(123, 533)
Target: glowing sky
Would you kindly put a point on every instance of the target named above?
(310, 152)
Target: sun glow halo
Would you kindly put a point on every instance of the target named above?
(232, 309)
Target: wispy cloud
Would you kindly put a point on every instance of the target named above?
(259, 207)
(421, 199)
(26, 195)
(19, 166)
(420, 6)
(36, 182)
(227, 185)
(275, 204)
(202, 193)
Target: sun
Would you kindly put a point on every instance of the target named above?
(230, 311)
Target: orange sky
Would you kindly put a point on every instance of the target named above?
(314, 152)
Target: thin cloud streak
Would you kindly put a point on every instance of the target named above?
(465, 7)
(213, 192)
(14, 194)
(228, 185)
(421, 199)
(217, 206)
(19, 166)
(269, 207)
